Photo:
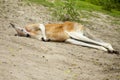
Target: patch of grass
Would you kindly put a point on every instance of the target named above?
(114, 13)
(79, 5)
(82, 5)
(66, 11)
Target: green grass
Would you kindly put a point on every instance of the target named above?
(82, 5)
(79, 5)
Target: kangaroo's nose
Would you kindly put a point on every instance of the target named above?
(27, 35)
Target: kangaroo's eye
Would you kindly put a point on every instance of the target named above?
(22, 30)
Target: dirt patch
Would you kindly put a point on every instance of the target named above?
(29, 59)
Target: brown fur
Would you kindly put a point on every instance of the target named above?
(33, 28)
(56, 32)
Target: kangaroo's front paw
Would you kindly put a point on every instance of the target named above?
(47, 40)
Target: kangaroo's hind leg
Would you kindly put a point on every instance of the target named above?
(72, 41)
(81, 37)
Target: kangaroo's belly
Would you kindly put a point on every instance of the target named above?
(57, 36)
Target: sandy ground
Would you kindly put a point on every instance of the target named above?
(29, 59)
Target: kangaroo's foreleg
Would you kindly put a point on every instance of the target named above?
(85, 44)
(42, 28)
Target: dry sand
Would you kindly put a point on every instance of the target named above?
(23, 58)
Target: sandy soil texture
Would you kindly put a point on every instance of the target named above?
(29, 59)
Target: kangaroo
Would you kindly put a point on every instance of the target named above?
(70, 32)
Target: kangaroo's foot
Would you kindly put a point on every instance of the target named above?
(114, 52)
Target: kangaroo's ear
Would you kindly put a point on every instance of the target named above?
(12, 25)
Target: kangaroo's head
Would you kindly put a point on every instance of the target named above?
(20, 31)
